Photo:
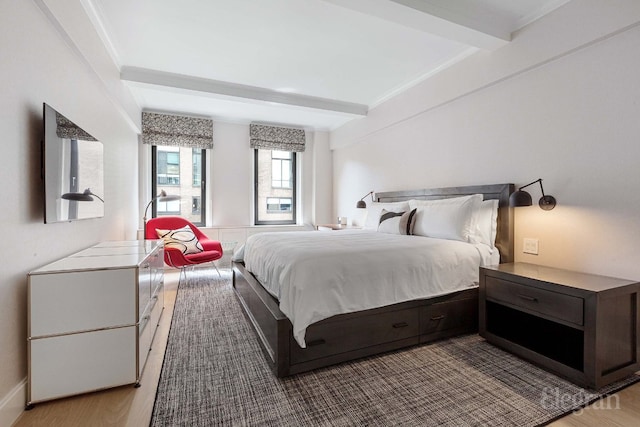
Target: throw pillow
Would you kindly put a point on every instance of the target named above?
(375, 208)
(397, 222)
(182, 239)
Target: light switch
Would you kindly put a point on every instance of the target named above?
(530, 246)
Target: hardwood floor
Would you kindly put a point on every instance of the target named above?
(128, 406)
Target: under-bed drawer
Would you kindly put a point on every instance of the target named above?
(459, 314)
(553, 304)
(325, 339)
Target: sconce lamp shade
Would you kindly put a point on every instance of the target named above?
(522, 198)
(547, 202)
(361, 203)
(85, 196)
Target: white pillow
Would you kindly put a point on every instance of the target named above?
(375, 208)
(396, 222)
(453, 218)
(182, 239)
(487, 223)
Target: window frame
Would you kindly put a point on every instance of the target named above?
(294, 185)
(203, 184)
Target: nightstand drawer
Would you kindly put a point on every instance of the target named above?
(552, 304)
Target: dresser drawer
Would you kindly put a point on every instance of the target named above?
(77, 301)
(552, 304)
(322, 339)
(77, 363)
(147, 329)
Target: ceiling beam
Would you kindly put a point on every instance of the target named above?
(433, 17)
(198, 84)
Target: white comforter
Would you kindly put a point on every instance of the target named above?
(316, 275)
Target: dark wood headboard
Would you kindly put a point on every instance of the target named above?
(504, 236)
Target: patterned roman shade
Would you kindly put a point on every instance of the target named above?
(166, 129)
(66, 129)
(277, 138)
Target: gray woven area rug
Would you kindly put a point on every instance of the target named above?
(214, 373)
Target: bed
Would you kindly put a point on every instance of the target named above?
(313, 343)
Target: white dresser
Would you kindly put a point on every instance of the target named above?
(92, 317)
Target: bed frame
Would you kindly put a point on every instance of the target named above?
(354, 335)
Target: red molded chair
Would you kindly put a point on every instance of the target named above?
(212, 249)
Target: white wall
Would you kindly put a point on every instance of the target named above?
(231, 177)
(561, 102)
(322, 171)
(39, 66)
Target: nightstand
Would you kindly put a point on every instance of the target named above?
(324, 227)
(580, 326)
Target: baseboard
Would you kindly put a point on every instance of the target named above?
(12, 405)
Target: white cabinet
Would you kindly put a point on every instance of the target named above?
(92, 318)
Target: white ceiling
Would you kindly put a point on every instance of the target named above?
(311, 63)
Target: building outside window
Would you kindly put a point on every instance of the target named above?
(278, 204)
(197, 167)
(168, 166)
(275, 184)
(195, 205)
(179, 171)
(281, 176)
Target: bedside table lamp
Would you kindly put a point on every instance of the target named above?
(361, 203)
(522, 198)
(162, 197)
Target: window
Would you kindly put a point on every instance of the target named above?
(168, 208)
(168, 166)
(281, 176)
(179, 171)
(275, 187)
(278, 205)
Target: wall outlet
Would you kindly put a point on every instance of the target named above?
(530, 246)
